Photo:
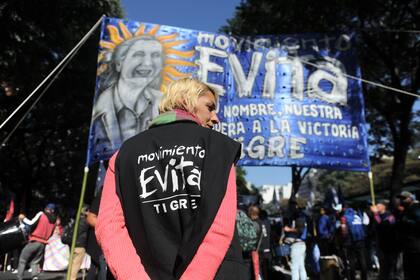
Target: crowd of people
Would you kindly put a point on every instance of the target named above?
(29, 253)
(329, 241)
(341, 240)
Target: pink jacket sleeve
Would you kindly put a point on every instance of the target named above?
(112, 234)
(212, 250)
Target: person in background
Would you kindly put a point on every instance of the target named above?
(265, 248)
(371, 236)
(326, 230)
(248, 235)
(387, 240)
(81, 242)
(256, 257)
(297, 231)
(354, 246)
(98, 269)
(410, 235)
(397, 210)
(34, 250)
(168, 206)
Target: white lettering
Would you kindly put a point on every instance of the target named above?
(295, 147)
(206, 66)
(245, 84)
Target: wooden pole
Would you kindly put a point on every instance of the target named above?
(372, 187)
(5, 262)
(76, 224)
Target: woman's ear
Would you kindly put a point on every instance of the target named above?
(184, 105)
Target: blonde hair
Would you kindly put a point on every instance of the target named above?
(183, 94)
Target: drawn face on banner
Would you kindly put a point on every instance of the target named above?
(135, 67)
(143, 61)
(131, 100)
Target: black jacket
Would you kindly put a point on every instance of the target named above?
(410, 229)
(171, 180)
(82, 232)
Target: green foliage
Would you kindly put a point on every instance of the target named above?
(350, 183)
(44, 159)
(241, 182)
(270, 208)
(357, 183)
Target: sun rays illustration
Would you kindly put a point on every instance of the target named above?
(173, 57)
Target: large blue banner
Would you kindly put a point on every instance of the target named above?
(290, 100)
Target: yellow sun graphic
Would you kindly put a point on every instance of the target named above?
(173, 57)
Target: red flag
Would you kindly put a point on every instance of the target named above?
(11, 210)
(256, 264)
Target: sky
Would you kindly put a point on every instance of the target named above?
(198, 15)
(205, 16)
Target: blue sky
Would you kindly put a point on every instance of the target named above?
(206, 16)
(197, 15)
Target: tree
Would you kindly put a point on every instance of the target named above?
(241, 183)
(298, 175)
(44, 159)
(355, 184)
(389, 54)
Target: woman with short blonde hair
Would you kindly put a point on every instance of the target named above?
(168, 204)
(183, 94)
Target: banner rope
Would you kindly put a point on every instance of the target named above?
(3, 143)
(402, 31)
(63, 61)
(365, 81)
(391, 30)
